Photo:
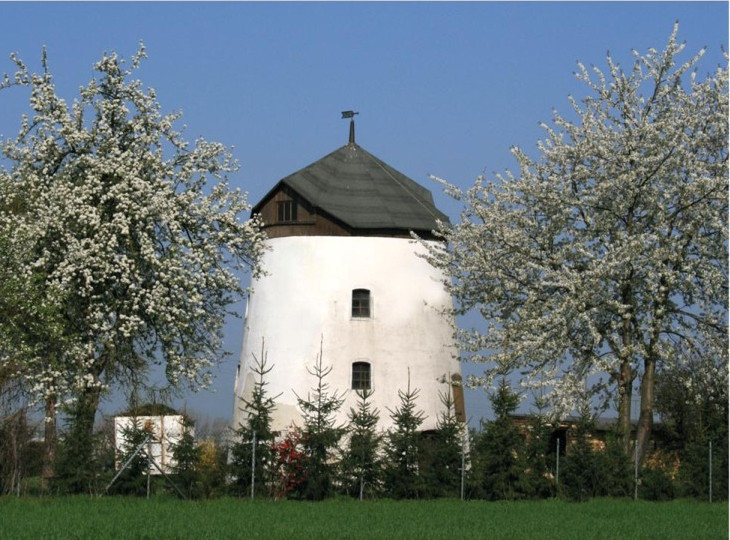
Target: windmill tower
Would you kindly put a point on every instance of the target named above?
(343, 275)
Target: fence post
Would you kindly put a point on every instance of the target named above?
(463, 463)
(710, 490)
(636, 469)
(149, 471)
(20, 465)
(253, 463)
(557, 463)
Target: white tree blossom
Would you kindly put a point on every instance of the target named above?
(129, 237)
(591, 263)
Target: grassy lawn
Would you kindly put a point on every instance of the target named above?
(117, 517)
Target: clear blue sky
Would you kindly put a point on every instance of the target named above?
(442, 88)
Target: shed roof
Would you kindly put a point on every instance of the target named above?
(363, 192)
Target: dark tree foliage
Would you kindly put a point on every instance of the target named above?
(15, 451)
(578, 477)
(692, 399)
(656, 485)
(133, 479)
(694, 469)
(148, 409)
(615, 471)
(320, 435)
(401, 474)
(360, 466)
(538, 475)
(254, 440)
(187, 454)
(498, 450)
(594, 469)
(85, 458)
(441, 453)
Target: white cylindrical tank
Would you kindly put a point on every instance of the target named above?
(305, 302)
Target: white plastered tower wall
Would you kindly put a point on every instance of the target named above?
(305, 302)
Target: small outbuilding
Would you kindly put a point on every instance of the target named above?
(165, 431)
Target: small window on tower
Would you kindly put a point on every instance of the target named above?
(286, 211)
(361, 303)
(361, 376)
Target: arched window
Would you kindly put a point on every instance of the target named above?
(361, 376)
(360, 303)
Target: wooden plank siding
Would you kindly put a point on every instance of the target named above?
(309, 222)
(313, 221)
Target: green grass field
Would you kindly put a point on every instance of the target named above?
(111, 517)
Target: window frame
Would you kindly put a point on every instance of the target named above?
(361, 304)
(361, 375)
(287, 211)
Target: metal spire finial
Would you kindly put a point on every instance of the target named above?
(351, 116)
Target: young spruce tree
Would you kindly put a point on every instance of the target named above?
(187, 454)
(441, 453)
(361, 467)
(538, 476)
(252, 454)
(133, 479)
(579, 479)
(499, 449)
(402, 478)
(320, 434)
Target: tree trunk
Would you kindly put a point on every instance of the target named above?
(85, 409)
(76, 467)
(49, 442)
(646, 417)
(626, 375)
(85, 414)
(625, 384)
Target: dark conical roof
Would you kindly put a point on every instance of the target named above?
(364, 192)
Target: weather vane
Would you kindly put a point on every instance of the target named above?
(351, 116)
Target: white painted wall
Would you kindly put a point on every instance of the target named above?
(306, 297)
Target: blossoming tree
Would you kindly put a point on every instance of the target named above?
(588, 265)
(129, 237)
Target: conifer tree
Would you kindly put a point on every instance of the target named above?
(254, 439)
(539, 461)
(537, 474)
(187, 454)
(402, 478)
(361, 464)
(614, 468)
(320, 435)
(579, 477)
(442, 453)
(133, 479)
(73, 466)
(499, 449)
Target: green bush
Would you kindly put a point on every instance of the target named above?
(656, 485)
